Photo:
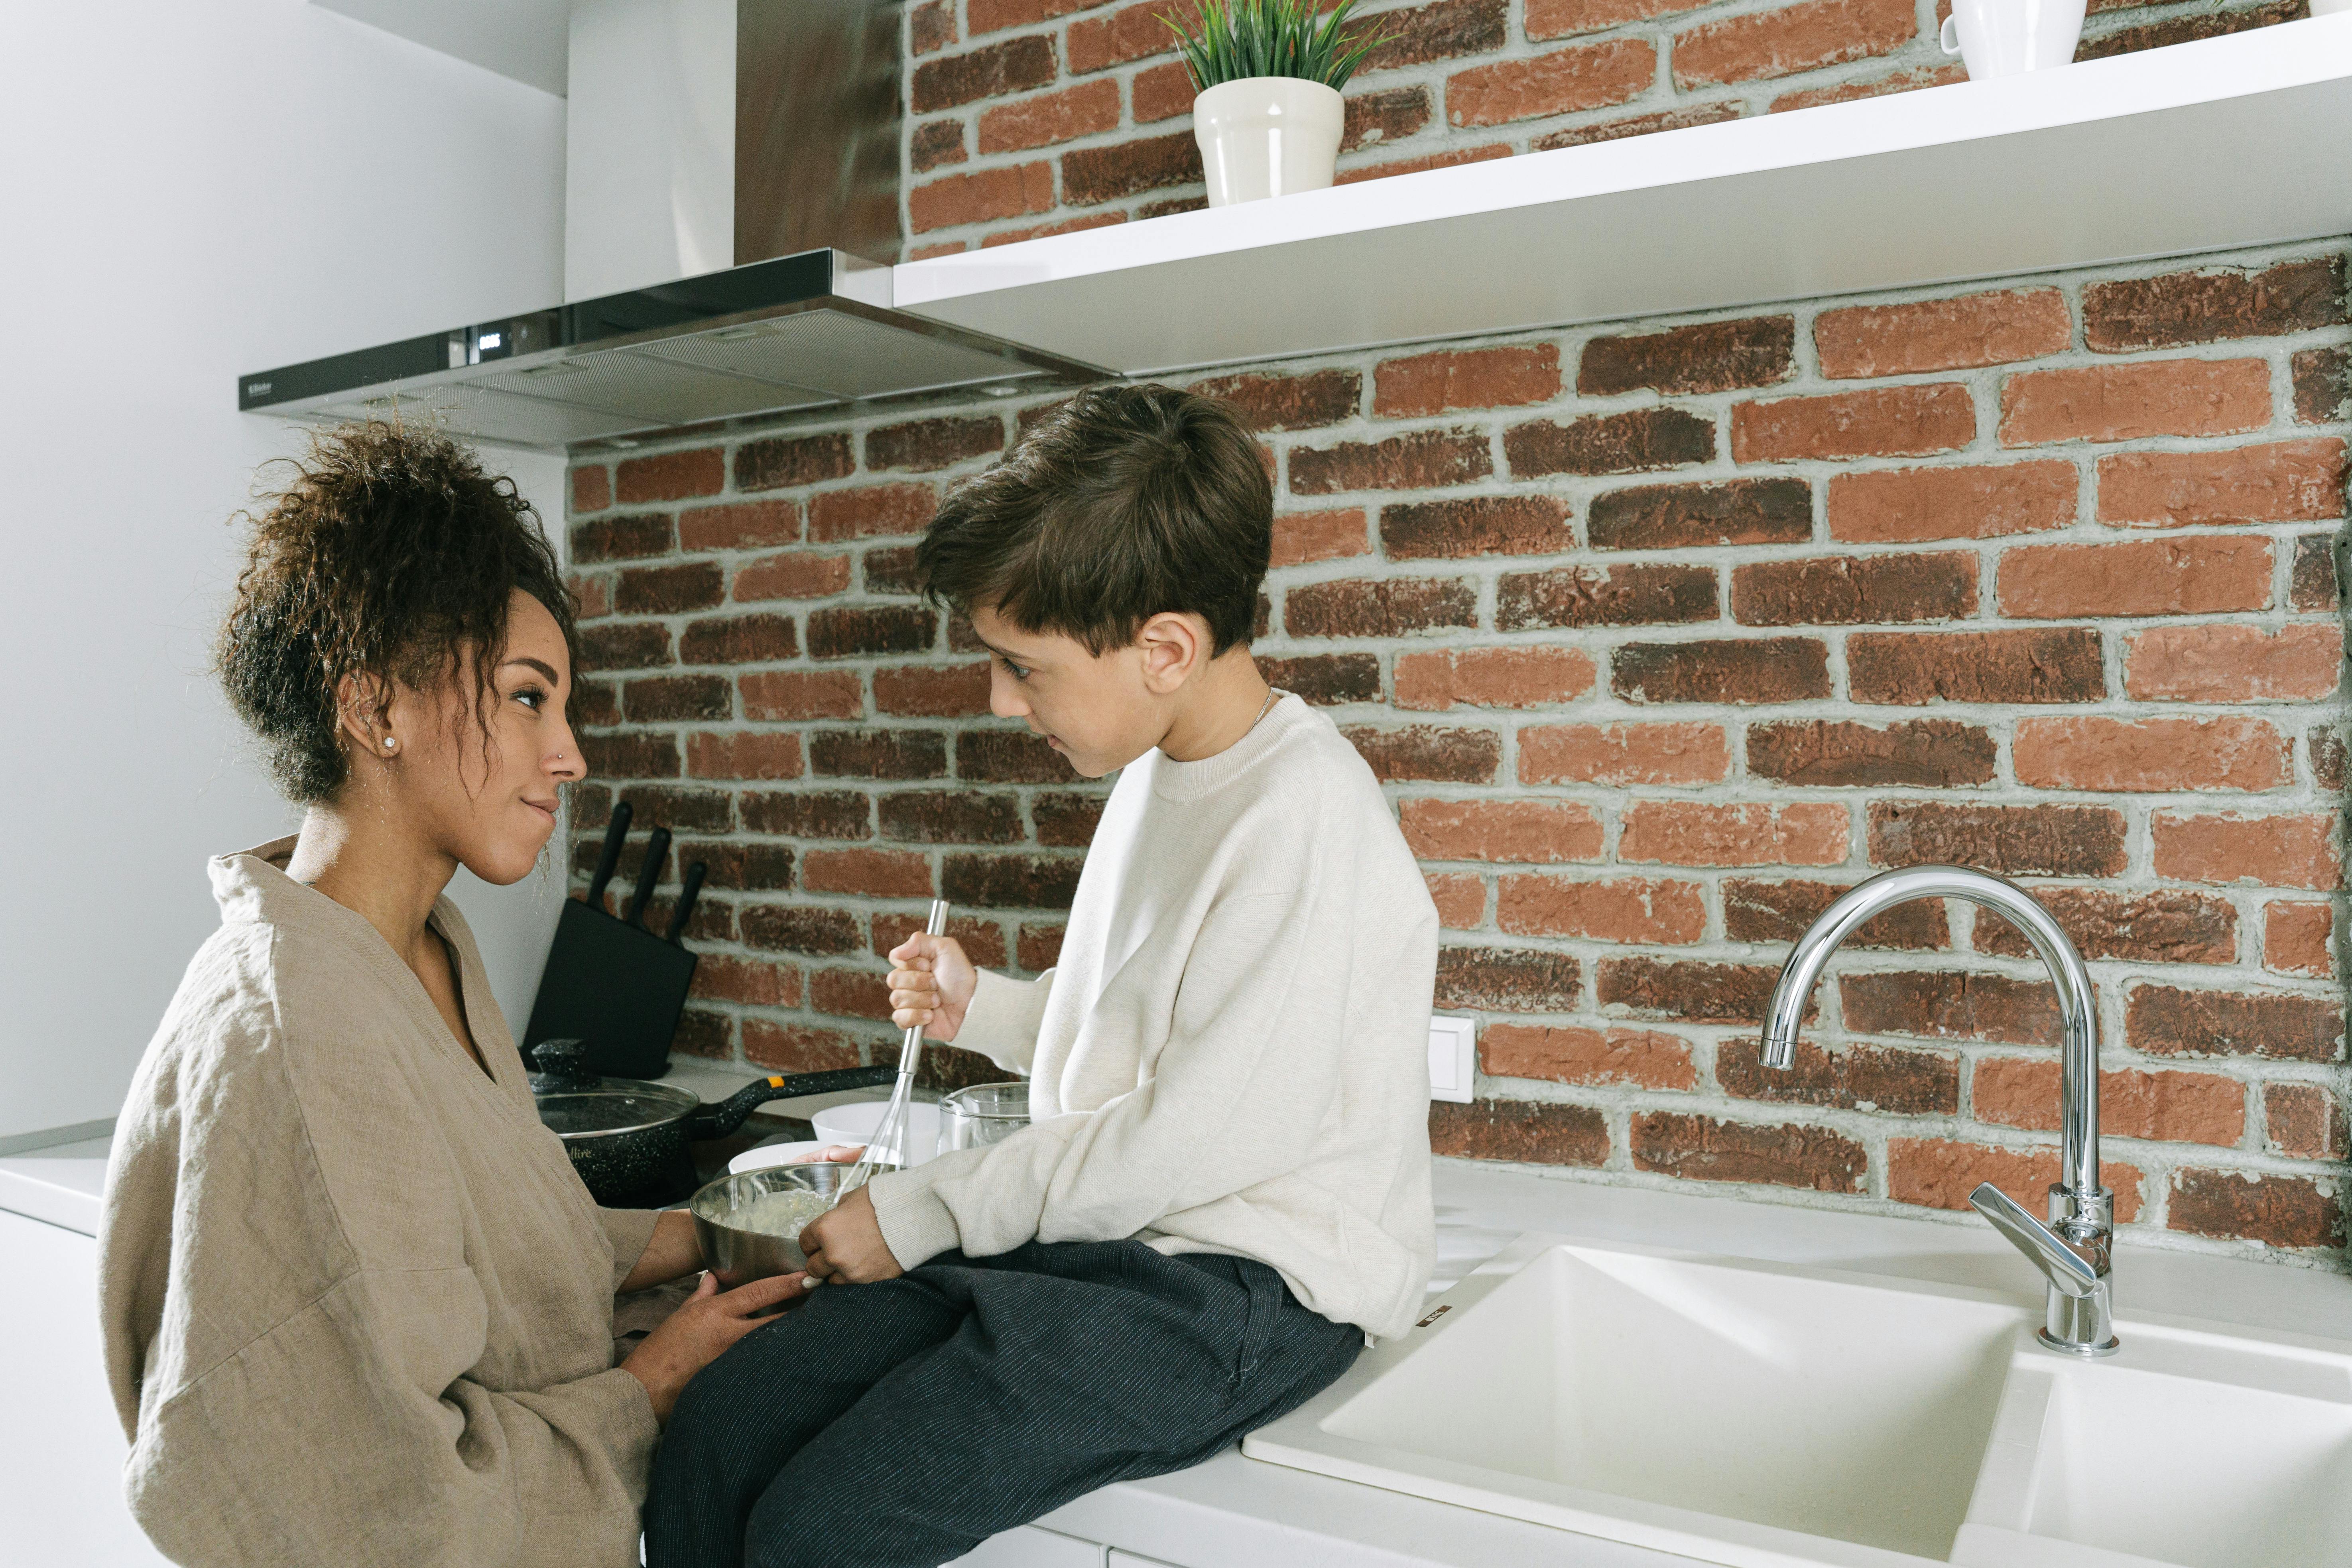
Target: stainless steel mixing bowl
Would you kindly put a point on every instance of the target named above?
(738, 1256)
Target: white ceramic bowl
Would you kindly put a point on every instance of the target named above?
(768, 1154)
(855, 1123)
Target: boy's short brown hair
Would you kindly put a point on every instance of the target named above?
(1125, 503)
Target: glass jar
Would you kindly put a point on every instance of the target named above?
(982, 1114)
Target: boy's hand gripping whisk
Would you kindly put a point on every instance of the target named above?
(892, 1132)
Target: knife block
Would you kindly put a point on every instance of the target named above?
(617, 987)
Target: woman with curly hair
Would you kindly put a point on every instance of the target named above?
(358, 1309)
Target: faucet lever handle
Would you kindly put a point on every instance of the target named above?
(2065, 1269)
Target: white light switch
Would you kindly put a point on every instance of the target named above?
(1453, 1057)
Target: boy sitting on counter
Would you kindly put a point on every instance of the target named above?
(1225, 1184)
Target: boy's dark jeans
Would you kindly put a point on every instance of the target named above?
(900, 1424)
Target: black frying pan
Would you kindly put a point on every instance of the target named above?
(626, 1135)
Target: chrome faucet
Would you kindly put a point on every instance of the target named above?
(2072, 1250)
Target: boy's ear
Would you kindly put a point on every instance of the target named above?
(1174, 646)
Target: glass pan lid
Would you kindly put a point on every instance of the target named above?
(620, 1105)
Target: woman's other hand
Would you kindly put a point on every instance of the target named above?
(931, 982)
(845, 1244)
(703, 1328)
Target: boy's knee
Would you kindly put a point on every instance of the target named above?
(810, 1523)
(690, 1428)
(839, 1509)
(708, 1444)
(789, 1551)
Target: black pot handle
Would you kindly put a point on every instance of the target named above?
(719, 1119)
(563, 1067)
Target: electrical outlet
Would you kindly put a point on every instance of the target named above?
(1452, 1059)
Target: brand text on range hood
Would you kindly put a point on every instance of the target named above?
(803, 331)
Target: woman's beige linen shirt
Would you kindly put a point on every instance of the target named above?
(358, 1309)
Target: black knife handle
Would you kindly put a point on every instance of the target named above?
(610, 859)
(686, 897)
(657, 851)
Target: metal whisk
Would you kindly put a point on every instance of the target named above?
(892, 1131)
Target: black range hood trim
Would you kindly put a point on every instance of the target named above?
(408, 358)
(691, 301)
(761, 290)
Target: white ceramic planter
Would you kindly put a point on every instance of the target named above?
(1266, 136)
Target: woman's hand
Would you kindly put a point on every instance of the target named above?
(673, 1253)
(845, 1242)
(703, 1328)
(931, 984)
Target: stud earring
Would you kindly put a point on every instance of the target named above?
(388, 742)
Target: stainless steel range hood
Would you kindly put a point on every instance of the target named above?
(806, 331)
(812, 88)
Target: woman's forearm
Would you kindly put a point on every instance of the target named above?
(672, 1253)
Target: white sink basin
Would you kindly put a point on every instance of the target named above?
(1741, 1412)
(1765, 1415)
(2186, 1447)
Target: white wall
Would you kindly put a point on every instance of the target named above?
(192, 190)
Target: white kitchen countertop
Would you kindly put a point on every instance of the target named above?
(57, 1176)
(1235, 1512)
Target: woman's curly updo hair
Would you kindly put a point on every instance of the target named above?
(389, 553)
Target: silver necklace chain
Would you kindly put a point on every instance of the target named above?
(1263, 707)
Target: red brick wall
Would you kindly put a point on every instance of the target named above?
(1029, 117)
(1661, 633)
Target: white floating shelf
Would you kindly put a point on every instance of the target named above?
(2238, 140)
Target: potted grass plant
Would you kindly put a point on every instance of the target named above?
(1266, 75)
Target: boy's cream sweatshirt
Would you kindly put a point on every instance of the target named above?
(1232, 1055)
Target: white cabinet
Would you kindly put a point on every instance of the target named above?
(62, 1450)
(1029, 1547)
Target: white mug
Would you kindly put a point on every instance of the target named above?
(2001, 37)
